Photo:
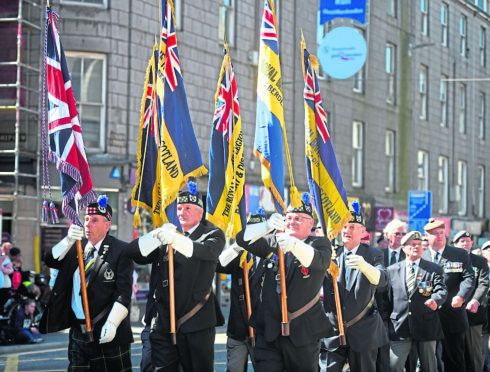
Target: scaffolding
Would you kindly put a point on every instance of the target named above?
(21, 60)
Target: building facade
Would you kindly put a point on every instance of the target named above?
(413, 118)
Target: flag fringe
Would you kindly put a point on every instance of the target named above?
(333, 233)
(333, 269)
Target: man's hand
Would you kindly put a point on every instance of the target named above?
(75, 233)
(473, 306)
(457, 301)
(431, 304)
(116, 316)
(370, 272)
(163, 233)
(277, 221)
(302, 251)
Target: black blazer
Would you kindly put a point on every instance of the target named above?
(387, 254)
(480, 267)
(111, 281)
(301, 287)
(355, 294)
(409, 316)
(238, 319)
(193, 278)
(460, 281)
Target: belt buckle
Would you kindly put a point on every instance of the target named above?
(83, 328)
(165, 283)
(278, 277)
(241, 297)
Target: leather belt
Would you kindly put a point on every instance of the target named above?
(361, 314)
(304, 309)
(194, 310)
(94, 321)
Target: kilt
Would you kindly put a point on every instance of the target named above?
(92, 356)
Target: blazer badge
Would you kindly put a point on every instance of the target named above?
(108, 274)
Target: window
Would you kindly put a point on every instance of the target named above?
(178, 14)
(443, 99)
(443, 184)
(424, 12)
(361, 74)
(390, 68)
(390, 161)
(444, 24)
(226, 22)
(481, 115)
(422, 170)
(423, 92)
(357, 153)
(391, 7)
(86, 2)
(462, 187)
(321, 31)
(483, 47)
(88, 84)
(481, 192)
(462, 35)
(462, 108)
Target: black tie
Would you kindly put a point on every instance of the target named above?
(436, 257)
(186, 233)
(393, 257)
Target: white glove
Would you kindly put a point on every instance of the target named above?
(117, 315)
(163, 232)
(370, 272)
(229, 254)
(277, 221)
(148, 243)
(180, 243)
(75, 233)
(302, 251)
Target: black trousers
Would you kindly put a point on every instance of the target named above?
(194, 351)
(358, 361)
(453, 352)
(281, 355)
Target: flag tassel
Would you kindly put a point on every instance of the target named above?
(53, 213)
(45, 212)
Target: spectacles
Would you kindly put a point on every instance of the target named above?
(296, 218)
(399, 233)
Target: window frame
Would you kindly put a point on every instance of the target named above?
(390, 70)
(390, 154)
(463, 34)
(462, 96)
(424, 92)
(462, 183)
(481, 115)
(424, 21)
(228, 27)
(445, 24)
(422, 170)
(103, 3)
(357, 153)
(483, 46)
(481, 192)
(443, 99)
(103, 104)
(443, 183)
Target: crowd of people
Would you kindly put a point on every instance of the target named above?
(418, 303)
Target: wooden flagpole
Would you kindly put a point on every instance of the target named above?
(83, 287)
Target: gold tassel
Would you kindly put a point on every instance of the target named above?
(137, 218)
(295, 197)
(333, 270)
(314, 62)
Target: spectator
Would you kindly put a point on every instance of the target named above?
(22, 324)
(6, 269)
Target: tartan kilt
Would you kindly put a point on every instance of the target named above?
(95, 357)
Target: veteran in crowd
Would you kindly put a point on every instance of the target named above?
(415, 293)
(460, 281)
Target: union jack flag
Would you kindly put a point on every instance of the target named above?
(225, 200)
(268, 31)
(65, 134)
(313, 95)
(169, 55)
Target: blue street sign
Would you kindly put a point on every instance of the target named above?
(419, 209)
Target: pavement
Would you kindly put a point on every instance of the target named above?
(60, 339)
